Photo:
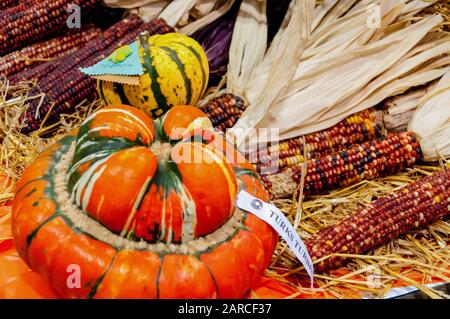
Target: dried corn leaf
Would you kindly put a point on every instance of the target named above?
(324, 52)
(394, 88)
(176, 11)
(150, 11)
(337, 79)
(350, 31)
(400, 109)
(127, 4)
(406, 102)
(203, 7)
(431, 121)
(286, 49)
(248, 44)
(320, 12)
(336, 10)
(406, 68)
(413, 7)
(193, 27)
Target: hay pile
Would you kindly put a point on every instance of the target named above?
(18, 150)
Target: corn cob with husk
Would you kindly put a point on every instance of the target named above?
(216, 39)
(247, 48)
(36, 21)
(349, 66)
(415, 205)
(249, 57)
(46, 50)
(66, 85)
(358, 128)
(427, 139)
(369, 160)
(426, 61)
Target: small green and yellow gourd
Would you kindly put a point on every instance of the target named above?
(175, 72)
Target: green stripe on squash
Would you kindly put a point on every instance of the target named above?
(187, 82)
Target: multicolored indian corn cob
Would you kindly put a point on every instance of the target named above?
(415, 205)
(49, 49)
(224, 110)
(368, 160)
(91, 53)
(7, 12)
(29, 23)
(34, 73)
(47, 71)
(5, 4)
(358, 128)
(66, 86)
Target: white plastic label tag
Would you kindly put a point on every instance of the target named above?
(275, 218)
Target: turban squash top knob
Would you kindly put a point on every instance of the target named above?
(145, 209)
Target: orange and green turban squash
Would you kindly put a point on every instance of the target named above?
(115, 201)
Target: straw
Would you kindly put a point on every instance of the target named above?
(18, 150)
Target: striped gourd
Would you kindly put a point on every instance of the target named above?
(176, 72)
(140, 222)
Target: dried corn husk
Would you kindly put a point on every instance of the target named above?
(410, 72)
(326, 44)
(349, 65)
(400, 109)
(248, 44)
(330, 11)
(286, 49)
(415, 6)
(147, 8)
(128, 4)
(203, 7)
(431, 121)
(332, 88)
(202, 22)
(177, 12)
(151, 11)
